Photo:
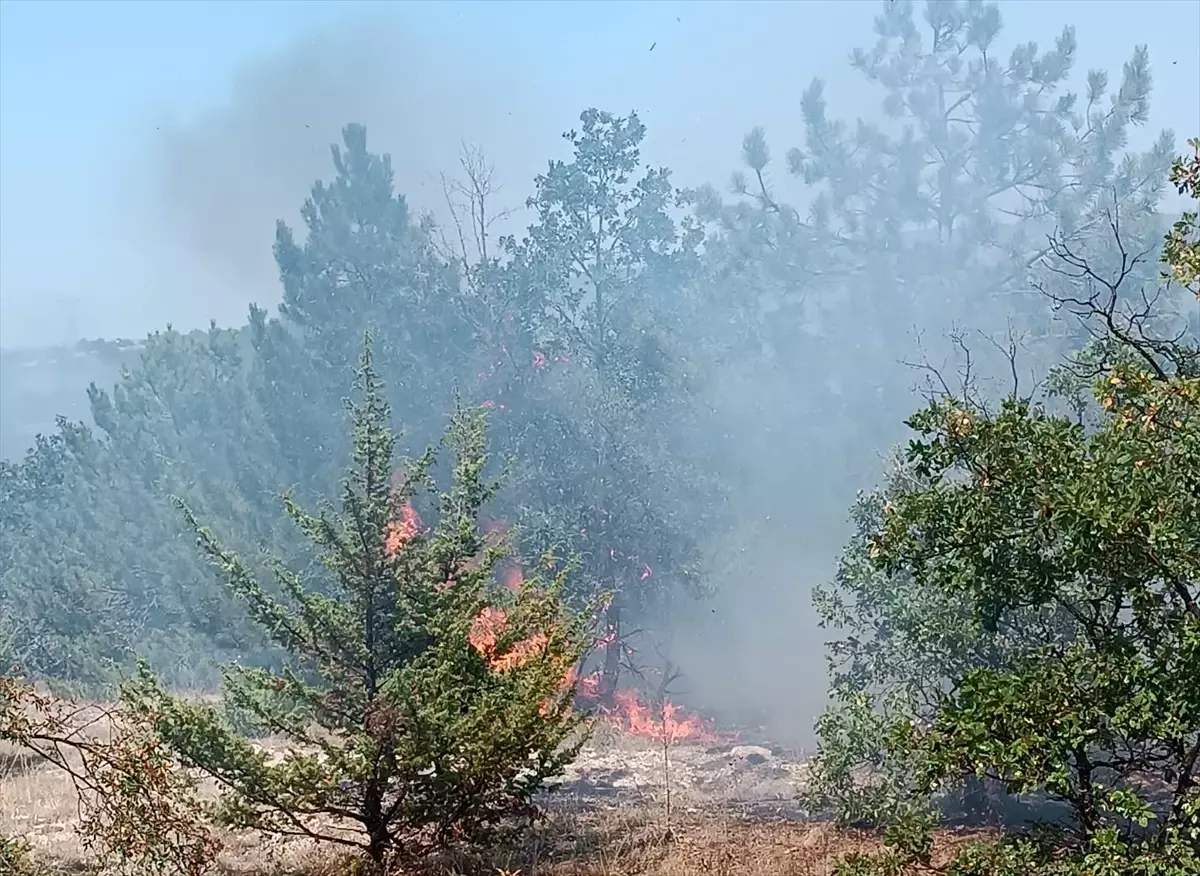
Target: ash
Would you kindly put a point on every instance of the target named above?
(753, 779)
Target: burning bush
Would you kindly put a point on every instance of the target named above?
(427, 705)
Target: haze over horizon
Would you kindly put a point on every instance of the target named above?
(147, 149)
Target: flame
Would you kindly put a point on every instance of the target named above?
(521, 653)
(489, 624)
(631, 714)
(399, 532)
(671, 724)
(590, 686)
(512, 576)
(667, 724)
(486, 630)
(514, 579)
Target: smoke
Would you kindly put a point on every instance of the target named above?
(213, 185)
(221, 180)
(208, 189)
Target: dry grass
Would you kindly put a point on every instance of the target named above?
(622, 838)
(733, 814)
(633, 842)
(39, 804)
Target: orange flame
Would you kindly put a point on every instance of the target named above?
(667, 725)
(512, 576)
(514, 579)
(672, 723)
(399, 532)
(486, 631)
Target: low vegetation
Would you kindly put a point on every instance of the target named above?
(1020, 610)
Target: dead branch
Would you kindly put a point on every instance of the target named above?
(137, 808)
(469, 200)
(1106, 306)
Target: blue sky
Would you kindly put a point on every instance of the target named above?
(87, 246)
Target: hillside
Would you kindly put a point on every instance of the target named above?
(39, 384)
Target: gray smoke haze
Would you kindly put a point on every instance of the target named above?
(223, 179)
(207, 190)
(213, 186)
(176, 224)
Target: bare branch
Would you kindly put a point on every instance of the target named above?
(1104, 304)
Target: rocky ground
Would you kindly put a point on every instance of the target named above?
(732, 810)
(700, 777)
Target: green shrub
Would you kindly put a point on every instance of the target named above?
(423, 704)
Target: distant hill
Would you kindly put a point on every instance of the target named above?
(39, 384)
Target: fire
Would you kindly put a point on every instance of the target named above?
(628, 711)
(667, 724)
(512, 576)
(486, 631)
(671, 724)
(514, 579)
(400, 531)
(489, 624)
(589, 687)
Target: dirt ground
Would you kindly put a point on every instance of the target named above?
(732, 810)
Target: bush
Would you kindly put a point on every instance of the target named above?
(139, 813)
(1077, 556)
(424, 703)
(14, 857)
(1042, 630)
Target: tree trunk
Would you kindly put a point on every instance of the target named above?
(612, 654)
(379, 842)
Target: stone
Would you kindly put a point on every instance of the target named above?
(751, 754)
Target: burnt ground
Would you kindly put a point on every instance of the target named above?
(699, 777)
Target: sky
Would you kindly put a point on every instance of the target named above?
(147, 148)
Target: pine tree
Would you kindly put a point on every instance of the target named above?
(598, 281)
(424, 703)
